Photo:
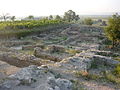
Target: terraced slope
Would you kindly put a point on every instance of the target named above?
(65, 59)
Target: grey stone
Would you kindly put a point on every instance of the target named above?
(64, 84)
(51, 81)
(105, 60)
(9, 84)
(76, 63)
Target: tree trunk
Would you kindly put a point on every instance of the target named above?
(113, 43)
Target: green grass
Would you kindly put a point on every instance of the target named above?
(23, 28)
(112, 78)
(117, 70)
(77, 85)
(72, 51)
(106, 76)
(29, 24)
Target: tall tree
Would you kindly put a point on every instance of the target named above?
(50, 17)
(58, 17)
(5, 16)
(13, 18)
(31, 17)
(77, 17)
(70, 16)
(113, 29)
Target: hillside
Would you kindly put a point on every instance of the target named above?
(70, 57)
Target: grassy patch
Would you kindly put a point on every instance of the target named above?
(86, 75)
(81, 73)
(72, 51)
(28, 52)
(92, 76)
(117, 70)
(117, 58)
(107, 76)
(23, 28)
(112, 78)
(77, 85)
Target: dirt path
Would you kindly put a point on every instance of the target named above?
(7, 69)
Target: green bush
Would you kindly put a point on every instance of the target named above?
(112, 31)
(112, 78)
(88, 21)
(117, 70)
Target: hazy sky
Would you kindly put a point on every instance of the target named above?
(47, 7)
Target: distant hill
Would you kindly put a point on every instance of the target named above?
(98, 15)
(95, 16)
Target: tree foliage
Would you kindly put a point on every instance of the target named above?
(70, 16)
(50, 17)
(5, 16)
(104, 23)
(88, 21)
(113, 29)
(13, 18)
(58, 17)
(31, 17)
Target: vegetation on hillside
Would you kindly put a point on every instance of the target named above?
(10, 27)
(71, 16)
(113, 29)
(28, 24)
(88, 21)
(26, 27)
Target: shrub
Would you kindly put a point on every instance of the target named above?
(113, 30)
(88, 21)
(110, 77)
(117, 70)
(77, 85)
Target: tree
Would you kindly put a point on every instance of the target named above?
(77, 17)
(50, 17)
(13, 18)
(113, 29)
(70, 16)
(58, 17)
(5, 16)
(46, 18)
(103, 23)
(88, 21)
(31, 17)
(99, 20)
